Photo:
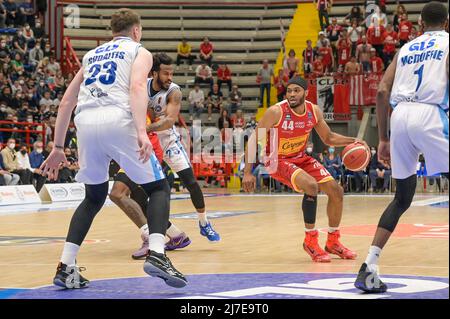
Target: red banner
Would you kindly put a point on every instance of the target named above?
(363, 89)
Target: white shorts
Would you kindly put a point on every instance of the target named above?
(418, 128)
(175, 155)
(107, 133)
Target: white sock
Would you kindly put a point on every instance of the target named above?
(173, 231)
(156, 243)
(332, 229)
(309, 230)
(373, 256)
(144, 230)
(202, 218)
(69, 254)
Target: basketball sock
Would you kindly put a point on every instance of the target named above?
(70, 253)
(373, 256)
(156, 243)
(310, 230)
(173, 231)
(202, 218)
(332, 229)
(144, 231)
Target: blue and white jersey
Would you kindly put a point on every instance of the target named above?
(107, 73)
(421, 74)
(158, 103)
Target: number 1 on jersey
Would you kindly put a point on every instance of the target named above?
(419, 72)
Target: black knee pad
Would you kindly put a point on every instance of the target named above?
(189, 181)
(404, 194)
(309, 207)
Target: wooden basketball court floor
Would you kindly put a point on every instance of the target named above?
(260, 254)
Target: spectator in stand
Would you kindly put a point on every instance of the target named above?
(333, 33)
(376, 63)
(2, 16)
(20, 42)
(265, 74)
(328, 60)
(13, 17)
(7, 97)
(363, 53)
(398, 17)
(292, 63)
(354, 15)
(196, 102)
(309, 55)
(41, 9)
(38, 31)
(68, 170)
(35, 55)
(17, 66)
(7, 178)
(224, 76)
(235, 98)
(405, 28)
(46, 101)
(413, 34)
(390, 40)
(379, 18)
(184, 53)
(26, 9)
(318, 67)
(224, 117)
(52, 67)
(203, 74)
(215, 101)
(24, 162)
(47, 49)
(238, 120)
(310, 151)
(11, 162)
(323, 40)
(378, 170)
(280, 82)
(322, 8)
(36, 160)
(375, 37)
(206, 51)
(4, 48)
(28, 34)
(333, 163)
(344, 47)
(354, 32)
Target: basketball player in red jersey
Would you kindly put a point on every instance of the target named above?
(289, 123)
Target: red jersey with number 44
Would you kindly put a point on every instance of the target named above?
(293, 131)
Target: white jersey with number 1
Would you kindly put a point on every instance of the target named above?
(419, 122)
(420, 75)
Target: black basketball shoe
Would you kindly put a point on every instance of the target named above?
(158, 265)
(369, 281)
(70, 277)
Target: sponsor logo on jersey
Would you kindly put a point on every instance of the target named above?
(292, 145)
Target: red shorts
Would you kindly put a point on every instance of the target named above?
(288, 169)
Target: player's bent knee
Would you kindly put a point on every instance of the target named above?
(311, 188)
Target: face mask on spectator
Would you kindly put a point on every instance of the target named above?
(19, 34)
(21, 82)
(309, 149)
(12, 145)
(23, 152)
(373, 152)
(3, 108)
(30, 120)
(27, 27)
(331, 150)
(41, 84)
(39, 150)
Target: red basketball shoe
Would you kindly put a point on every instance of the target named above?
(311, 246)
(333, 246)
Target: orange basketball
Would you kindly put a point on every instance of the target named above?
(356, 156)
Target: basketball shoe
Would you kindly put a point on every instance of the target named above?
(159, 265)
(178, 242)
(369, 281)
(209, 232)
(141, 252)
(311, 246)
(70, 277)
(334, 246)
